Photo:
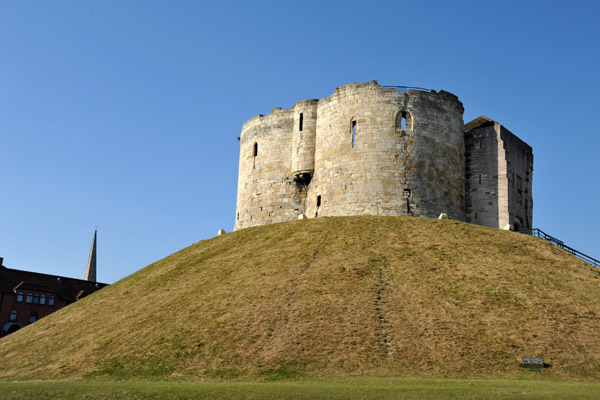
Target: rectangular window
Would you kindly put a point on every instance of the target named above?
(353, 133)
(318, 201)
(301, 122)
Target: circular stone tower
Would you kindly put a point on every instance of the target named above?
(363, 150)
(267, 192)
(384, 152)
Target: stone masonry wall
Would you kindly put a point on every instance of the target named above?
(376, 151)
(482, 176)
(303, 145)
(418, 170)
(499, 172)
(267, 192)
(519, 173)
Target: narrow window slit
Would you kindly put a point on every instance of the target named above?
(403, 122)
(301, 122)
(353, 133)
(255, 149)
(318, 201)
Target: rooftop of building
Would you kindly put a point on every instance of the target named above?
(479, 122)
(482, 121)
(70, 289)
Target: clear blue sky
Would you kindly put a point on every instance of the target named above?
(125, 114)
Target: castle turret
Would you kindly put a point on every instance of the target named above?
(303, 142)
(267, 192)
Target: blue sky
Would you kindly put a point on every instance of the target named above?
(125, 114)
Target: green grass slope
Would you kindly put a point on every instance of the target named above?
(330, 297)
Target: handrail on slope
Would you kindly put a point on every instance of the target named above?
(541, 234)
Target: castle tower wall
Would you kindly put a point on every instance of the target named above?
(382, 152)
(482, 177)
(372, 150)
(518, 162)
(499, 173)
(267, 192)
(303, 145)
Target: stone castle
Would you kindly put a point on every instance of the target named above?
(368, 149)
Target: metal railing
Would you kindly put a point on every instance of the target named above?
(405, 89)
(541, 234)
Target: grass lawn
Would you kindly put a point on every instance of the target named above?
(347, 296)
(379, 388)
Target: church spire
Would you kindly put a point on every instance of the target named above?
(90, 271)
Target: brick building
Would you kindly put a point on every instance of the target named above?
(28, 296)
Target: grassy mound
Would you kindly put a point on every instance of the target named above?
(330, 297)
